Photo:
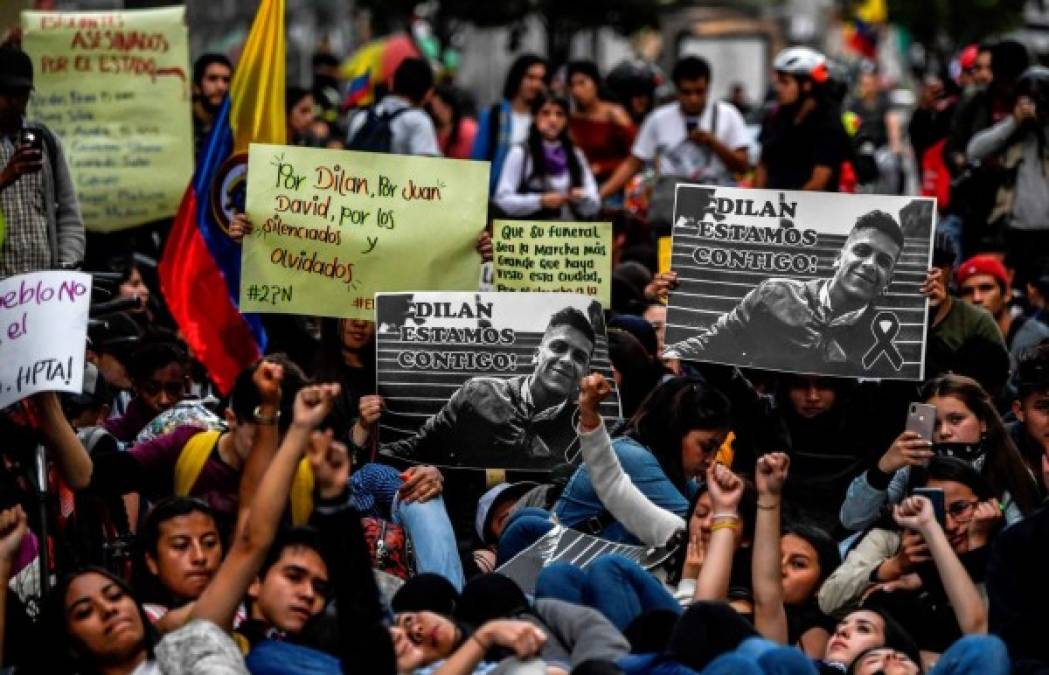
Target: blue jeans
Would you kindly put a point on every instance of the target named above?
(271, 657)
(579, 502)
(432, 537)
(522, 529)
(618, 588)
(974, 655)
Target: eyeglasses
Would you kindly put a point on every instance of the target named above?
(962, 512)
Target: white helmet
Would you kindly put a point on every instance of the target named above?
(802, 62)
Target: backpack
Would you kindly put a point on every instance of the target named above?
(375, 135)
(195, 454)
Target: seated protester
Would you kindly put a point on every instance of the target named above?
(636, 370)
(101, 628)
(983, 281)
(287, 583)
(347, 356)
(110, 347)
(411, 498)
(832, 429)
(1017, 590)
(669, 441)
(207, 464)
(967, 427)
(960, 332)
(180, 550)
(623, 591)
(426, 642)
(573, 634)
(708, 640)
(547, 177)
(159, 380)
(893, 568)
(1030, 432)
(788, 570)
(20, 640)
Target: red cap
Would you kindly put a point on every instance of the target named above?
(982, 264)
(967, 59)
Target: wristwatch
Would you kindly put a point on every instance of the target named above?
(259, 418)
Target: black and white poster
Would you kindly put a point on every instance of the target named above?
(805, 282)
(487, 380)
(575, 548)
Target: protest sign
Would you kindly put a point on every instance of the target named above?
(115, 87)
(333, 227)
(806, 282)
(553, 256)
(580, 550)
(663, 249)
(487, 380)
(43, 330)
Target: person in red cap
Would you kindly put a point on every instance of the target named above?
(984, 281)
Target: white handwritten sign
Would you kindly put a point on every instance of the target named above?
(43, 330)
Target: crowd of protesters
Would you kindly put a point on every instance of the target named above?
(184, 531)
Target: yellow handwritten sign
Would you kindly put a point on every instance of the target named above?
(553, 256)
(334, 227)
(115, 87)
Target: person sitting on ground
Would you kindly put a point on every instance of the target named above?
(934, 601)
(967, 427)
(160, 380)
(180, 550)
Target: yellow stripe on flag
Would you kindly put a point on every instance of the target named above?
(257, 90)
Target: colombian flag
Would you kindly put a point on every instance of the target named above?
(200, 267)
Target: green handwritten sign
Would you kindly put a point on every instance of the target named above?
(334, 227)
(553, 256)
(115, 87)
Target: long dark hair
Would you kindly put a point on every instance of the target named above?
(1004, 467)
(534, 144)
(517, 72)
(69, 657)
(329, 364)
(668, 413)
(453, 99)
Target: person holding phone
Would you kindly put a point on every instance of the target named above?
(924, 573)
(1017, 143)
(967, 427)
(43, 228)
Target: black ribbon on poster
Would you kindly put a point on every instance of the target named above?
(883, 341)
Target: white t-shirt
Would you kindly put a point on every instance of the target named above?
(663, 134)
(519, 125)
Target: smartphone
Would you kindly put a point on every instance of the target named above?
(30, 138)
(934, 495)
(921, 419)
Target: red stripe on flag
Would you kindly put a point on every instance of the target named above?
(196, 295)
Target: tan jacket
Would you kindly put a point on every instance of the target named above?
(844, 588)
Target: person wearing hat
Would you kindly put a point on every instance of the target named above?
(983, 281)
(958, 329)
(494, 509)
(43, 228)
